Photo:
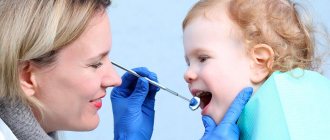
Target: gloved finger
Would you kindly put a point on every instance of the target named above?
(129, 82)
(152, 88)
(227, 131)
(237, 106)
(129, 79)
(209, 125)
(144, 72)
(140, 92)
(126, 88)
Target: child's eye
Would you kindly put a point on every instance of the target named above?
(188, 63)
(97, 65)
(202, 58)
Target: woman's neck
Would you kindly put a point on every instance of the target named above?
(20, 119)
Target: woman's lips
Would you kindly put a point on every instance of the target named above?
(97, 103)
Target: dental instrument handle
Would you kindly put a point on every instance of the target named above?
(167, 89)
(152, 82)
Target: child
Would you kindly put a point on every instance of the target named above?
(232, 44)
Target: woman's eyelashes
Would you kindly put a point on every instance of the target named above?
(96, 65)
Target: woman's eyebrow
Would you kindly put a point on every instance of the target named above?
(98, 57)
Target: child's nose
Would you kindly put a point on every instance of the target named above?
(190, 75)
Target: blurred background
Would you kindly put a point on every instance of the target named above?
(148, 33)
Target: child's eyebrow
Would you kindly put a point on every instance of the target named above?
(197, 51)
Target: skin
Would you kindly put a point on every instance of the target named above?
(217, 60)
(81, 74)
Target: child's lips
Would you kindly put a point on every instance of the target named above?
(205, 97)
(194, 92)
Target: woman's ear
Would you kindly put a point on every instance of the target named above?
(27, 78)
(262, 61)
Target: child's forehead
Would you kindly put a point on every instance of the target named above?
(219, 28)
(216, 11)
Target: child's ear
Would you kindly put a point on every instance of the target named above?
(27, 78)
(262, 61)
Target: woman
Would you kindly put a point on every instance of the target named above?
(55, 66)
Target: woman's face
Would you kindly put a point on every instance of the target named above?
(73, 87)
(218, 65)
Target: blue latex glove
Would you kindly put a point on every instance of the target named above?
(227, 129)
(133, 106)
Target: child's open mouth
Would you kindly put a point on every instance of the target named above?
(205, 97)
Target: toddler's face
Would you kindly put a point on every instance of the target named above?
(218, 64)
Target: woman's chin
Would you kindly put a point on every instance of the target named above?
(90, 124)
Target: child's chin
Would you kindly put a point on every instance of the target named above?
(214, 113)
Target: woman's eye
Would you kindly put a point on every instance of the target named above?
(97, 65)
(203, 58)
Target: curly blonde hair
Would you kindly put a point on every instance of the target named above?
(276, 23)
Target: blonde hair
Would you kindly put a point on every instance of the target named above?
(33, 31)
(276, 23)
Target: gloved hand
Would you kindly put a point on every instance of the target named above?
(133, 106)
(227, 129)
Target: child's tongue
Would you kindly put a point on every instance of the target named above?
(205, 101)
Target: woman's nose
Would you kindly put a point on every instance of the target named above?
(190, 75)
(111, 78)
